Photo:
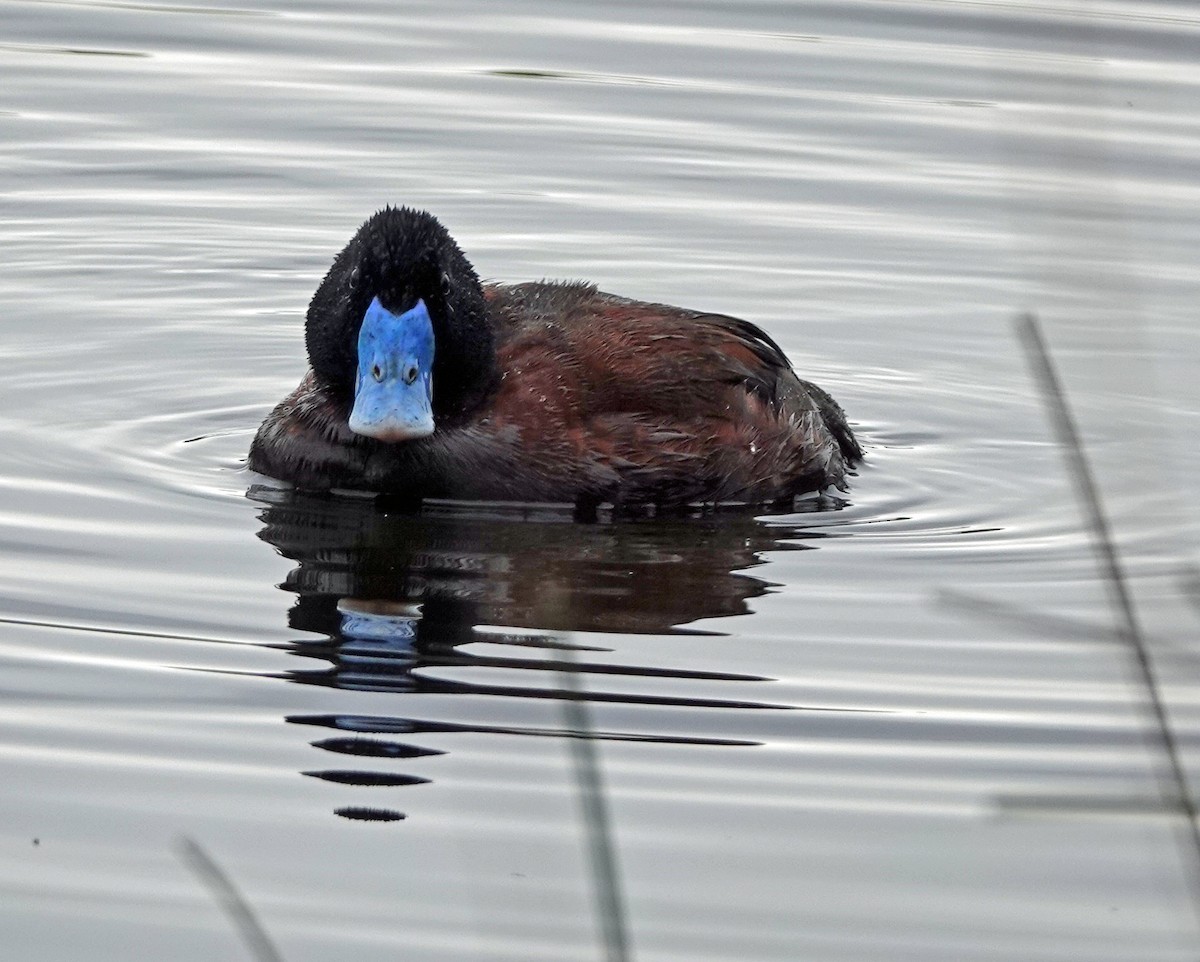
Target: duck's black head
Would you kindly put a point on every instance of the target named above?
(403, 258)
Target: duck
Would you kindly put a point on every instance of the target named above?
(426, 383)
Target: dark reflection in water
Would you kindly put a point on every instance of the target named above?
(394, 597)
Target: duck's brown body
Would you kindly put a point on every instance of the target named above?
(594, 398)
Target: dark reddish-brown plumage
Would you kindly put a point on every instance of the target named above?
(575, 395)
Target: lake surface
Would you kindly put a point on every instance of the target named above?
(895, 725)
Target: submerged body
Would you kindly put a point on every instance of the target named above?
(572, 395)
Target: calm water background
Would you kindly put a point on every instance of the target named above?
(894, 726)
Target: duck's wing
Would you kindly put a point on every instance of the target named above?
(681, 405)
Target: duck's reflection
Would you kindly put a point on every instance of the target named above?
(403, 603)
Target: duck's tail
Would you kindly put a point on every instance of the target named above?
(835, 421)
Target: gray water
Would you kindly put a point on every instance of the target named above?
(894, 725)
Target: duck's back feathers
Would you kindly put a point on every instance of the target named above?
(682, 405)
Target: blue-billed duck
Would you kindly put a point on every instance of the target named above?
(426, 383)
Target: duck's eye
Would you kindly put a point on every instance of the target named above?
(377, 372)
(445, 284)
(410, 374)
(355, 275)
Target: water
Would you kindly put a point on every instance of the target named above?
(893, 725)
